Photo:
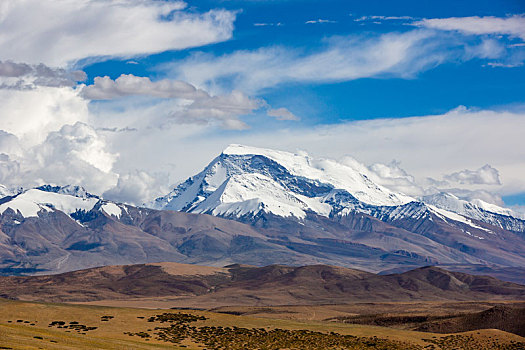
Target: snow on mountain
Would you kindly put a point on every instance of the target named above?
(67, 199)
(477, 209)
(32, 201)
(326, 171)
(245, 180)
(4, 191)
(112, 209)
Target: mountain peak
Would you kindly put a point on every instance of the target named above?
(245, 180)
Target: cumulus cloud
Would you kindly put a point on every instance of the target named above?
(512, 25)
(45, 138)
(31, 115)
(9, 169)
(338, 59)
(11, 69)
(392, 175)
(486, 175)
(138, 187)
(78, 141)
(93, 28)
(9, 144)
(282, 114)
(75, 154)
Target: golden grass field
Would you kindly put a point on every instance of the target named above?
(26, 325)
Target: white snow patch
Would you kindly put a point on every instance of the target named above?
(475, 236)
(112, 209)
(443, 214)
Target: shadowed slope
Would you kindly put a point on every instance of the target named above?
(505, 318)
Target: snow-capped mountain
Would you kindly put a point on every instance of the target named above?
(67, 199)
(267, 207)
(504, 218)
(309, 204)
(245, 181)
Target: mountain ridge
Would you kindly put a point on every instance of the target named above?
(250, 285)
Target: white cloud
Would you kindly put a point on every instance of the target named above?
(427, 146)
(60, 32)
(470, 195)
(104, 88)
(138, 187)
(12, 69)
(23, 76)
(282, 114)
(31, 115)
(75, 154)
(378, 19)
(340, 59)
(319, 21)
(78, 141)
(198, 106)
(9, 169)
(512, 25)
(486, 175)
(44, 138)
(120, 136)
(278, 24)
(225, 109)
(392, 176)
(10, 144)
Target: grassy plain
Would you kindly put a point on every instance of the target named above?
(27, 325)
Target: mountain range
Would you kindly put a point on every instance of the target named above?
(260, 207)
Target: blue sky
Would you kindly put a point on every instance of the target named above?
(436, 90)
(137, 95)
